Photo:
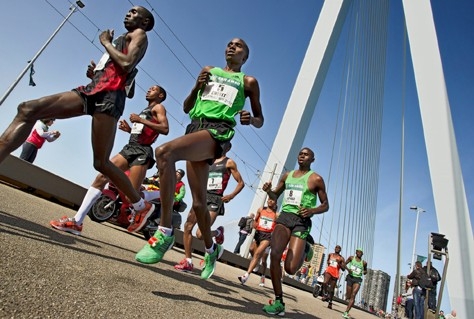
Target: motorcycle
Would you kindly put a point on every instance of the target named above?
(318, 287)
(113, 206)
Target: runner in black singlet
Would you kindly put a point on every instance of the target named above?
(135, 157)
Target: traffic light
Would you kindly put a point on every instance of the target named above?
(439, 243)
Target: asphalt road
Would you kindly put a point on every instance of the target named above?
(45, 273)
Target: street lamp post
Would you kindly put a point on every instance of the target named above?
(72, 9)
(418, 211)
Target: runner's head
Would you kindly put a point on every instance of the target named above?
(139, 17)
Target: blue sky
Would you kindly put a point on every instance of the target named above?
(278, 36)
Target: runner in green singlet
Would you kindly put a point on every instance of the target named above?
(217, 97)
(301, 189)
(356, 268)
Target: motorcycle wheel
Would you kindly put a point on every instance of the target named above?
(316, 291)
(99, 213)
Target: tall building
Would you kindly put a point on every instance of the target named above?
(403, 281)
(318, 258)
(316, 261)
(375, 290)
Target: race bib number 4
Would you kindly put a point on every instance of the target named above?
(214, 183)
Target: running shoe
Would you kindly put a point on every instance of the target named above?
(220, 238)
(155, 249)
(330, 305)
(275, 308)
(184, 265)
(139, 218)
(243, 279)
(67, 224)
(210, 261)
(346, 315)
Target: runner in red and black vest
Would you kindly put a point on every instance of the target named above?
(103, 99)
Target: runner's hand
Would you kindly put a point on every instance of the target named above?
(90, 70)
(245, 117)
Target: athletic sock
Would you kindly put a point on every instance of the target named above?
(189, 260)
(91, 197)
(138, 206)
(165, 230)
(210, 250)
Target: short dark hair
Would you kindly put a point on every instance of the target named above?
(309, 150)
(162, 91)
(246, 48)
(148, 15)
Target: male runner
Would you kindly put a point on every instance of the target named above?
(219, 175)
(301, 188)
(103, 99)
(217, 97)
(356, 267)
(331, 274)
(136, 156)
(264, 225)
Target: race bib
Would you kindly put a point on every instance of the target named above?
(293, 196)
(137, 128)
(356, 270)
(214, 182)
(221, 90)
(103, 60)
(265, 223)
(333, 263)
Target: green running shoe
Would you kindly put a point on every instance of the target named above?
(346, 315)
(275, 308)
(210, 262)
(155, 249)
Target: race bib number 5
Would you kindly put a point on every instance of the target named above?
(220, 90)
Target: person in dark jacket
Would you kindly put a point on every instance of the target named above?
(435, 277)
(418, 292)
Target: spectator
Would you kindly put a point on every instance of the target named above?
(408, 295)
(304, 273)
(435, 277)
(35, 141)
(441, 315)
(451, 315)
(418, 295)
(246, 226)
